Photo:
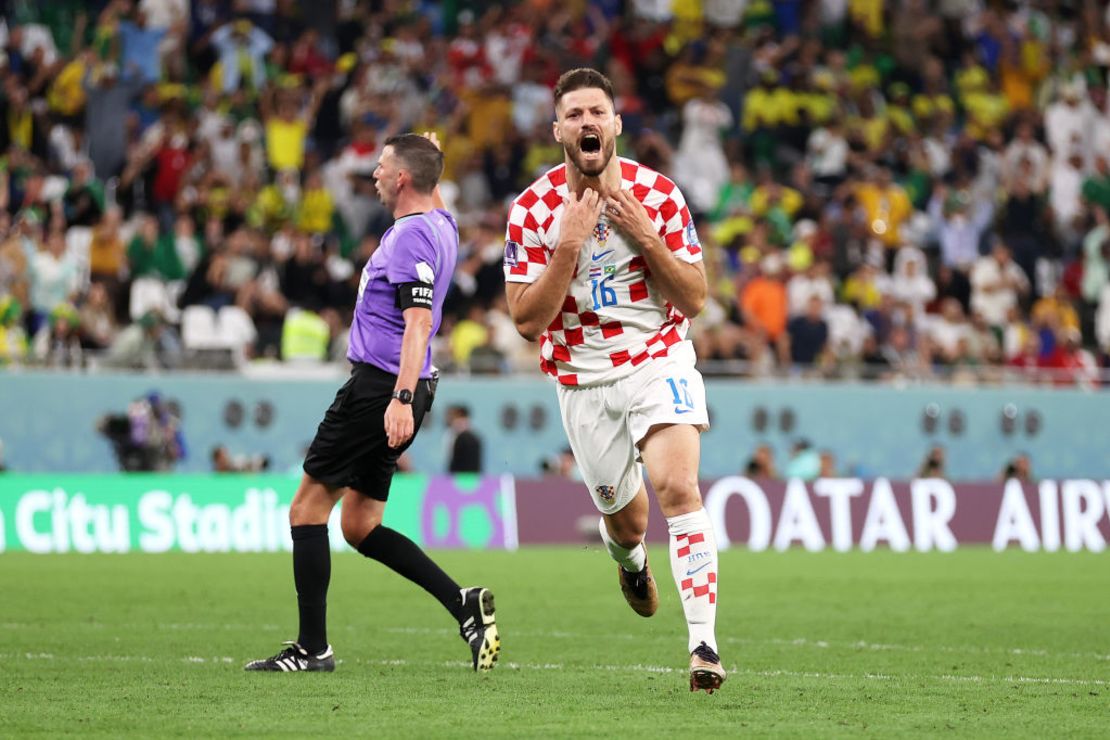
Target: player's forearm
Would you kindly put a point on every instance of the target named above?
(535, 306)
(414, 347)
(682, 283)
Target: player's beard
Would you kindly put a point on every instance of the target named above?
(592, 167)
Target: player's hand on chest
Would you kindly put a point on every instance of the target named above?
(580, 214)
(629, 216)
(611, 273)
(580, 219)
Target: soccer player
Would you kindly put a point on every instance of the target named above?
(602, 265)
(377, 412)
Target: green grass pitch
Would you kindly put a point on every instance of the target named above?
(969, 644)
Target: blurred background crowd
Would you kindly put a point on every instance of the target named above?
(884, 189)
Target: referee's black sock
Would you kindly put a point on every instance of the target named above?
(312, 574)
(396, 551)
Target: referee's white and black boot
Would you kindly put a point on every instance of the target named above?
(478, 628)
(295, 658)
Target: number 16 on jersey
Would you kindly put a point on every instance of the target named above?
(603, 294)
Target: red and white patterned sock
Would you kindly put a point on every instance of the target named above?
(694, 566)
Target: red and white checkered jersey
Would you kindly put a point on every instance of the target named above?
(613, 318)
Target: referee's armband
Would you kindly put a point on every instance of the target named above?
(415, 295)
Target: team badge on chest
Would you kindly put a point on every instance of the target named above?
(602, 231)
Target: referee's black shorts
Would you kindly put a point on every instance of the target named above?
(350, 448)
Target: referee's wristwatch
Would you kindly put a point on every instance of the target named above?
(404, 396)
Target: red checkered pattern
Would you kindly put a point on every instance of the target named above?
(589, 342)
(708, 588)
(691, 539)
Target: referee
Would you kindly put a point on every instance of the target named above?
(377, 412)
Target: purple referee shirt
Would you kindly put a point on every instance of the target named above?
(420, 248)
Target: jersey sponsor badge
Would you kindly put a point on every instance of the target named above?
(512, 253)
(425, 273)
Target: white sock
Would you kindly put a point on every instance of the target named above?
(631, 560)
(694, 566)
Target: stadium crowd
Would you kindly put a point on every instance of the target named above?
(883, 189)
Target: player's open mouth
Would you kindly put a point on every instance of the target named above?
(590, 143)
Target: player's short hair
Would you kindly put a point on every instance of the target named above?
(582, 78)
(420, 157)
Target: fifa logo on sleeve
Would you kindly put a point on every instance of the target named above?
(692, 234)
(512, 253)
(607, 493)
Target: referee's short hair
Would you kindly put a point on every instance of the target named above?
(420, 157)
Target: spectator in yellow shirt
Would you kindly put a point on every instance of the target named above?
(317, 207)
(767, 108)
(776, 203)
(886, 204)
(276, 204)
(987, 110)
(899, 109)
(66, 94)
(869, 124)
(490, 116)
(819, 101)
(689, 75)
(934, 97)
(971, 76)
(1022, 66)
(287, 125)
(469, 334)
(861, 289)
(1056, 310)
(761, 105)
(107, 252)
(867, 15)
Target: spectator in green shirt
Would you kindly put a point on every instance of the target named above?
(151, 255)
(1096, 188)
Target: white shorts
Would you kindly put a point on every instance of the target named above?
(606, 423)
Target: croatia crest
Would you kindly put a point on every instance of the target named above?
(601, 231)
(606, 493)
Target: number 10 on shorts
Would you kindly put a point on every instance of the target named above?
(681, 392)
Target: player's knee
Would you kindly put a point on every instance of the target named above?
(302, 511)
(678, 494)
(354, 535)
(311, 504)
(629, 532)
(355, 530)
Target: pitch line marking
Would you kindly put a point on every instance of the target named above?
(634, 668)
(878, 646)
(795, 642)
(800, 642)
(642, 668)
(562, 634)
